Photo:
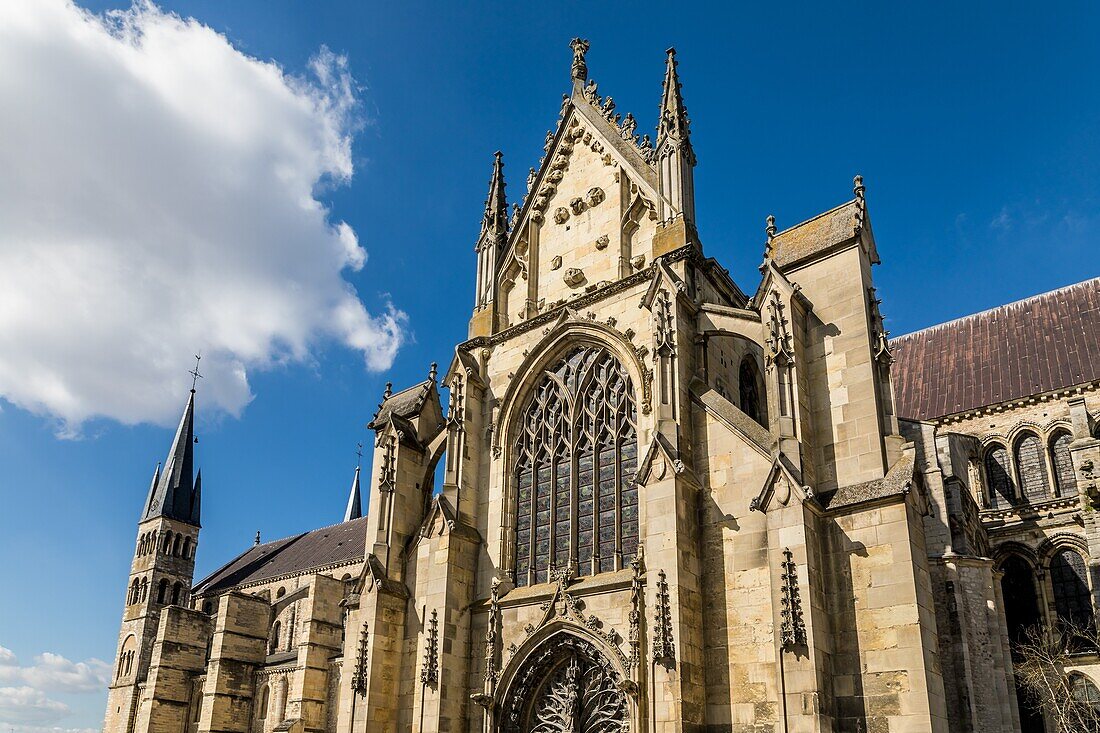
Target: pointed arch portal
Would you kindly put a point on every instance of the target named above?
(566, 686)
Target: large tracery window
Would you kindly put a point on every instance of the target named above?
(576, 455)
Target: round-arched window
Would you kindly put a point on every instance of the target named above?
(1002, 493)
(576, 455)
(1032, 468)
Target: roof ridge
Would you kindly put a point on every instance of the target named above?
(1002, 306)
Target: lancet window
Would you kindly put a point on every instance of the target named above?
(576, 456)
(1002, 493)
(1063, 464)
(1032, 468)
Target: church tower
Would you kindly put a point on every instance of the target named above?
(162, 569)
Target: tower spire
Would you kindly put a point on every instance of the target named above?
(355, 505)
(676, 158)
(174, 493)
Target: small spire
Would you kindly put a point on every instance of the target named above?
(858, 188)
(433, 372)
(355, 506)
(579, 70)
(257, 542)
(495, 221)
(389, 391)
(673, 122)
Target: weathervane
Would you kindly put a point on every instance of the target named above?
(359, 452)
(195, 376)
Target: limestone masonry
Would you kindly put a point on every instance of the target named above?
(668, 504)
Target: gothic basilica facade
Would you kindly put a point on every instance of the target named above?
(667, 503)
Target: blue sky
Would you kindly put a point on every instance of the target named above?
(975, 129)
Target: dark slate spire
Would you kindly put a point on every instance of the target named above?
(175, 492)
(355, 505)
(495, 221)
(673, 124)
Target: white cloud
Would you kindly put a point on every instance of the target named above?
(54, 673)
(27, 705)
(158, 198)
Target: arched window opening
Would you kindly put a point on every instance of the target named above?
(144, 589)
(1020, 598)
(1031, 468)
(261, 709)
(749, 388)
(1064, 476)
(126, 657)
(177, 593)
(177, 545)
(166, 548)
(162, 591)
(1086, 701)
(132, 596)
(1072, 597)
(187, 548)
(1002, 493)
(275, 630)
(576, 455)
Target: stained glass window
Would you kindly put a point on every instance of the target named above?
(1002, 493)
(576, 455)
(1063, 465)
(1032, 468)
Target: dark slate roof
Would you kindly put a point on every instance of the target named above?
(319, 548)
(405, 404)
(1042, 344)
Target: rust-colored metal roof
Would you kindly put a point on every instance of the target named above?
(1044, 343)
(340, 543)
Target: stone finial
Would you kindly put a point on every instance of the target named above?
(433, 372)
(769, 248)
(257, 538)
(389, 391)
(771, 230)
(579, 69)
(861, 204)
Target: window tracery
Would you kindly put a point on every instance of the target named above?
(576, 455)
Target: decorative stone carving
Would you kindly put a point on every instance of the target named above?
(567, 686)
(595, 196)
(573, 277)
(359, 675)
(429, 672)
(579, 68)
(792, 630)
(602, 242)
(638, 262)
(554, 177)
(561, 161)
(561, 215)
(555, 263)
(492, 636)
(664, 647)
(779, 337)
(633, 640)
(577, 205)
(389, 464)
